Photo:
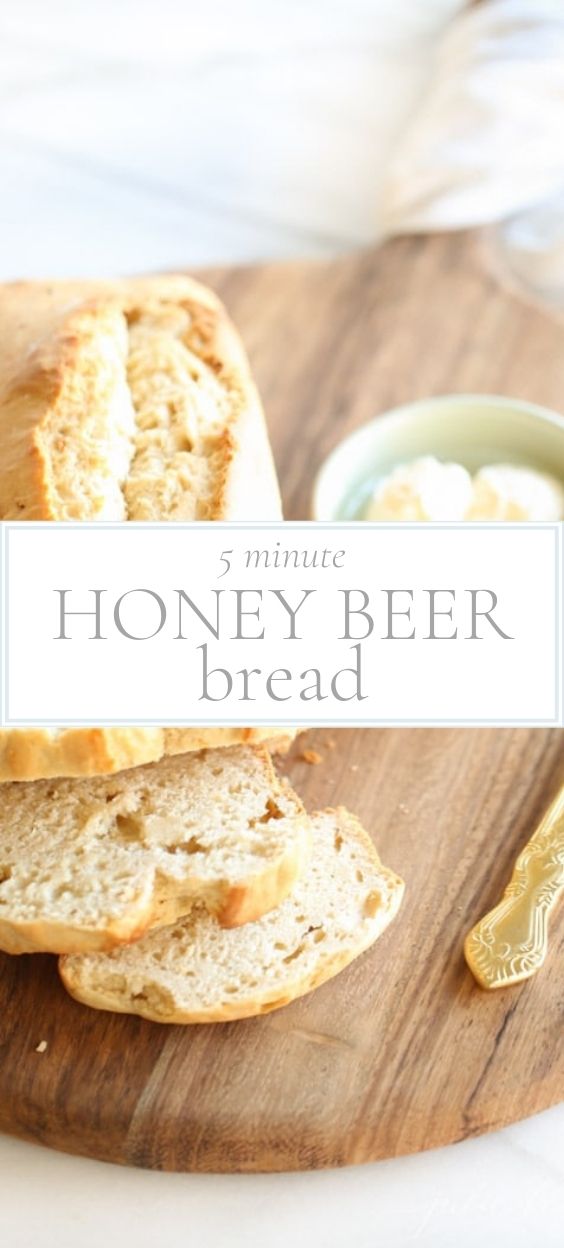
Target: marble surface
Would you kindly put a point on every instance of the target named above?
(136, 136)
(507, 1187)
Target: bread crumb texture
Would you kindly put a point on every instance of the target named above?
(86, 864)
(196, 972)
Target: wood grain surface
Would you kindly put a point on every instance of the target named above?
(402, 1051)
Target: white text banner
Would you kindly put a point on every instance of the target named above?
(213, 624)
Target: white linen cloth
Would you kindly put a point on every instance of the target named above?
(138, 136)
(134, 138)
(487, 142)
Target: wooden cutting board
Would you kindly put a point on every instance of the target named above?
(402, 1051)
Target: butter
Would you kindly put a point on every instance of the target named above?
(426, 489)
(503, 492)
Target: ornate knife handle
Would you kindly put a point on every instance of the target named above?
(511, 942)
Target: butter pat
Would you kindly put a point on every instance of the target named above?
(422, 490)
(427, 489)
(502, 492)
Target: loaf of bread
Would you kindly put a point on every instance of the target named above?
(86, 864)
(197, 972)
(125, 400)
(128, 400)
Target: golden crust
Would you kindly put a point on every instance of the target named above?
(57, 376)
(36, 754)
(53, 363)
(48, 332)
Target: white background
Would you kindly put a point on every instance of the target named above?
(146, 134)
(136, 135)
(159, 680)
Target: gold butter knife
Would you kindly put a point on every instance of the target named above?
(511, 942)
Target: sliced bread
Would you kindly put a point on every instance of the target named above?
(197, 972)
(86, 864)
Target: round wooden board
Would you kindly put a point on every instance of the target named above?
(402, 1051)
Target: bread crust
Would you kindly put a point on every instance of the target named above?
(36, 754)
(98, 1000)
(163, 1009)
(55, 359)
(47, 331)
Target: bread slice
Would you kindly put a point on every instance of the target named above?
(86, 864)
(125, 400)
(197, 972)
(44, 753)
